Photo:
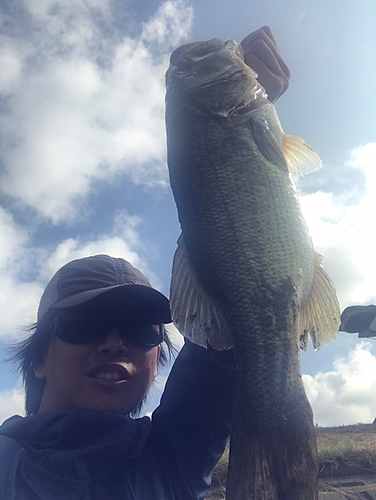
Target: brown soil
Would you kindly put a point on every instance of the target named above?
(347, 457)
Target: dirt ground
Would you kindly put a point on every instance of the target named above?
(359, 487)
(347, 464)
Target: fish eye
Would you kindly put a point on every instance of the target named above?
(184, 68)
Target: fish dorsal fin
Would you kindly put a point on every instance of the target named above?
(320, 314)
(301, 159)
(196, 314)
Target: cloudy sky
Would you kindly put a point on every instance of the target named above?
(83, 157)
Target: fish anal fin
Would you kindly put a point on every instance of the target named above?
(320, 313)
(301, 159)
(195, 313)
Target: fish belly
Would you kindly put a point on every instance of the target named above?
(247, 242)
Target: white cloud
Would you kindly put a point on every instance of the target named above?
(344, 234)
(72, 248)
(84, 106)
(19, 298)
(10, 62)
(11, 403)
(12, 239)
(121, 241)
(18, 302)
(50, 8)
(175, 336)
(347, 394)
(170, 25)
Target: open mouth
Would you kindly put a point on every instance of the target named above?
(109, 376)
(109, 373)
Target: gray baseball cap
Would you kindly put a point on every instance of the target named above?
(107, 280)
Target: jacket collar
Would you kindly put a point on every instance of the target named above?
(91, 436)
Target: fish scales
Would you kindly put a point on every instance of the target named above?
(213, 189)
(229, 190)
(245, 248)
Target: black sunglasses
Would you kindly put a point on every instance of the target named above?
(84, 326)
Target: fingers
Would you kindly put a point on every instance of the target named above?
(262, 55)
(265, 34)
(270, 75)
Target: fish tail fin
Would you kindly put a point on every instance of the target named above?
(274, 463)
(250, 474)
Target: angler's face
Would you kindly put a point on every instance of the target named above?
(107, 374)
(210, 75)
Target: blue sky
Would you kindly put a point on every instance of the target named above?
(83, 158)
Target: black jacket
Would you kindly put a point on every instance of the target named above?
(98, 455)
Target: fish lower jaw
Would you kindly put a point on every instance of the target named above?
(245, 108)
(249, 106)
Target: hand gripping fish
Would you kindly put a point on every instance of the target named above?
(245, 273)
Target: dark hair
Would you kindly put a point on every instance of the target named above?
(29, 354)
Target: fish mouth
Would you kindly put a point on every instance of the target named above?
(244, 108)
(197, 51)
(253, 98)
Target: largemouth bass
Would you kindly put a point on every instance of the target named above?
(245, 273)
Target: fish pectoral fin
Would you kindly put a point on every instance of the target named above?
(267, 143)
(320, 314)
(196, 314)
(301, 159)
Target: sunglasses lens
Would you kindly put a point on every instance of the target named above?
(81, 327)
(145, 335)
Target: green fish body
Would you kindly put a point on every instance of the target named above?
(245, 273)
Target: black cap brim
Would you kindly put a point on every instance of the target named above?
(140, 299)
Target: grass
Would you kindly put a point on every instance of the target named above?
(218, 487)
(344, 450)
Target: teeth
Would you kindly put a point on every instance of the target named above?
(108, 375)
